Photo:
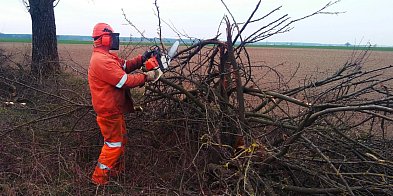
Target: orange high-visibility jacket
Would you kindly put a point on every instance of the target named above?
(108, 80)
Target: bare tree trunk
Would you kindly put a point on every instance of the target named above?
(45, 58)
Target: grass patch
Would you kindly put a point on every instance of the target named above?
(389, 49)
(74, 42)
(23, 40)
(327, 47)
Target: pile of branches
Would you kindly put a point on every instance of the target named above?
(328, 136)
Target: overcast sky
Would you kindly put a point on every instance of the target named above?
(363, 21)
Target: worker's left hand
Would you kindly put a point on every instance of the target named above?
(153, 75)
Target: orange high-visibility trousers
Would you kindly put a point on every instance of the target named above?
(111, 160)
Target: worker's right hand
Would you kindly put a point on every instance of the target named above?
(153, 75)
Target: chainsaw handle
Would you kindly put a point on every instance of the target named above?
(153, 61)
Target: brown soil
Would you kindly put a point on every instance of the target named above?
(312, 63)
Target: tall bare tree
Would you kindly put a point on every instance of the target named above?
(45, 58)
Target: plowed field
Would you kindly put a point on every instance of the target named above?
(305, 62)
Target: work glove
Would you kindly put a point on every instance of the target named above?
(153, 75)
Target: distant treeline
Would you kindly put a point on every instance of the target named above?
(139, 39)
(81, 39)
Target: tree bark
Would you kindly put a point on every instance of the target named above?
(45, 58)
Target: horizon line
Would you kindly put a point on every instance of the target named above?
(259, 43)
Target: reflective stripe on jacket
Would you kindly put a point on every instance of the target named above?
(108, 80)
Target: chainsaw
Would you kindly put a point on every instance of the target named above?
(159, 60)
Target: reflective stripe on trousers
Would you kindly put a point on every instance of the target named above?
(113, 144)
(102, 166)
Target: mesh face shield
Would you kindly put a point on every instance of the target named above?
(115, 41)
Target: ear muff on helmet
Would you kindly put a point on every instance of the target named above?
(106, 40)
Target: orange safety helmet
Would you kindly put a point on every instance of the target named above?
(102, 30)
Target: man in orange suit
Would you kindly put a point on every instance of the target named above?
(109, 79)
